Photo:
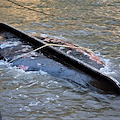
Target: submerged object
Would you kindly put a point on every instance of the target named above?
(14, 44)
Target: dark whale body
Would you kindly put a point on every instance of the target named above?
(15, 43)
(37, 61)
(12, 48)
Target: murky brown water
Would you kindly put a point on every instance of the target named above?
(94, 24)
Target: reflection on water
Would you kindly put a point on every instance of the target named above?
(94, 24)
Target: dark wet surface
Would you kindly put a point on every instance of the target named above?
(37, 95)
(17, 52)
(12, 47)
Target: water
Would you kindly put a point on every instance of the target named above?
(94, 24)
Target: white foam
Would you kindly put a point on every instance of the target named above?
(34, 103)
(107, 67)
(110, 69)
(2, 62)
(8, 44)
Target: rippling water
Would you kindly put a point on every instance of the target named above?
(94, 24)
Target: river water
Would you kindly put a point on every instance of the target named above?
(94, 24)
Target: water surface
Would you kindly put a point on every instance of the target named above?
(94, 24)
